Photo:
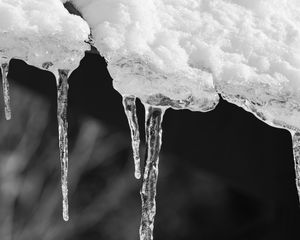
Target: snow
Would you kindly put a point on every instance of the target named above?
(168, 53)
(148, 45)
(41, 32)
(180, 52)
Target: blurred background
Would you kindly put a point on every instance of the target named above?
(223, 174)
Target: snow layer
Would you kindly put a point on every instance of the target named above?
(41, 32)
(182, 50)
(151, 50)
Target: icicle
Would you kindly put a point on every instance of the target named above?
(154, 117)
(5, 86)
(62, 102)
(296, 151)
(130, 110)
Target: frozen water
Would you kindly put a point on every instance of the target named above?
(175, 52)
(44, 34)
(62, 103)
(296, 150)
(5, 85)
(39, 31)
(179, 53)
(135, 76)
(153, 128)
(147, 46)
(130, 111)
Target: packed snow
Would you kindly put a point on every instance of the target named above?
(42, 33)
(149, 47)
(178, 52)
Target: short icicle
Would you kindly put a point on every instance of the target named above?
(296, 151)
(154, 118)
(130, 110)
(62, 103)
(5, 86)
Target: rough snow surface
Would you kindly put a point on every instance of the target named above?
(149, 46)
(41, 31)
(184, 49)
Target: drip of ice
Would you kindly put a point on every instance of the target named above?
(4, 70)
(130, 111)
(296, 151)
(44, 34)
(153, 118)
(62, 102)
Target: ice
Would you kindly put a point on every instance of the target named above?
(153, 128)
(44, 34)
(147, 45)
(130, 111)
(296, 151)
(39, 31)
(182, 54)
(180, 90)
(5, 85)
(62, 103)
(178, 54)
(261, 67)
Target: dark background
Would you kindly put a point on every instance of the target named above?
(223, 174)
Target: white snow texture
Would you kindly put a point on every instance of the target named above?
(179, 53)
(40, 31)
(249, 51)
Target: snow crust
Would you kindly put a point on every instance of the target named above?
(177, 53)
(180, 52)
(41, 32)
(151, 50)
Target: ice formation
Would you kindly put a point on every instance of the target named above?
(153, 121)
(167, 53)
(181, 53)
(130, 111)
(5, 85)
(62, 103)
(44, 34)
(177, 52)
(151, 51)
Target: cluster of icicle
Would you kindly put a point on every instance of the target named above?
(153, 120)
(62, 102)
(154, 117)
(153, 127)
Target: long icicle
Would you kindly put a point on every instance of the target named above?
(296, 151)
(5, 86)
(62, 103)
(154, 118)
(130, 111)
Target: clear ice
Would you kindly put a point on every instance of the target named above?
(153, 128)
(296, 151)
(62, 103)
(5, 86)
(130, 111)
